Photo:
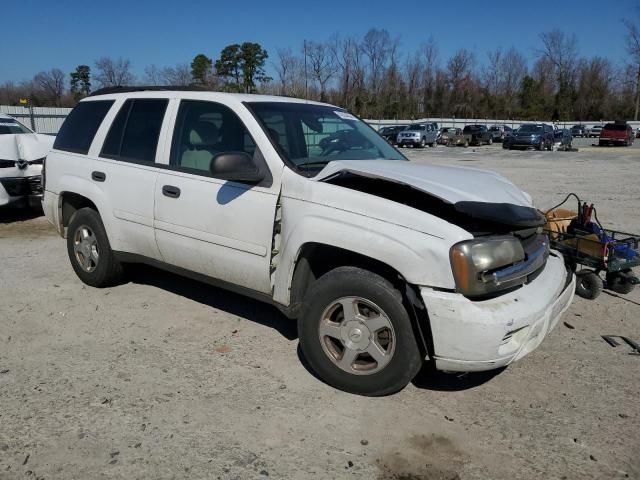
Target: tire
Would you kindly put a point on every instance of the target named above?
(432, 144)
(490, 142)
(466, 144)
(541, 146)
(589, 285)
(363, 291)
(423, 143)
(89, 251)
(619, 283)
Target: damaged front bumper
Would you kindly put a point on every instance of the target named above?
(14, 189)
(471, 335)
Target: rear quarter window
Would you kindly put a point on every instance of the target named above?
(79, 128)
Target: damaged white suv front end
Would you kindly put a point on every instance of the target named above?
(22, 154)
(500, 290)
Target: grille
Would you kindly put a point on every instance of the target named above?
(17, 187)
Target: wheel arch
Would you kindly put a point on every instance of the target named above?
(314, 259)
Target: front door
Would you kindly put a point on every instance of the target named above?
(221, 229)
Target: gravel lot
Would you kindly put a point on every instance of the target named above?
(167, 378)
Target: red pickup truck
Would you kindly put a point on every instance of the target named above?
(616, 133)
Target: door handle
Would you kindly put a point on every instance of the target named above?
(170, 191)
(98, 176)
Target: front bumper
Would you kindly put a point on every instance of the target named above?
(409, 141)
(473, 335)
(13, 189)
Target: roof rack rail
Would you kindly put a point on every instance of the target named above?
(150, 88)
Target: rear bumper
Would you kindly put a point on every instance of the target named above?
(482, 335)
(615, 140)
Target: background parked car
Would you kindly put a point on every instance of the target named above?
(562, 139)
(498, 132)
(619, 133)
(638, 133)
(594, 131)
(446, 133)
(390, 134)
(531, 135)
(458, 138)
(22, 153)
(419, 135)
(479, 134)
(579, 131)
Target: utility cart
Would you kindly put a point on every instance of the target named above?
(592, 251)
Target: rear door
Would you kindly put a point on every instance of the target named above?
(126, 170)
(221, 229)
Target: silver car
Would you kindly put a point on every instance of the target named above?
(419, 135)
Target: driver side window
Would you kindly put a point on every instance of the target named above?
(203, 130)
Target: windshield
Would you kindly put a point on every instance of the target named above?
(530, 129)
(310, 136)
(10, 126)
(415, 127)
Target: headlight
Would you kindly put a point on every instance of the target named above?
(473, 262)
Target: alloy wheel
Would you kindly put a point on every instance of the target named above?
(357, 336)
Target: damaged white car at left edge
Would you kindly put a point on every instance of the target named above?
(22, 154)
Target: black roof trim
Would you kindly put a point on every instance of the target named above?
(151, 88)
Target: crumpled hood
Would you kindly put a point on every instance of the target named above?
(25, 146)
(449, 183)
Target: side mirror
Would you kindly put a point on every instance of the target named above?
(235, 166)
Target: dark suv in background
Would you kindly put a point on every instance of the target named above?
(531, 135)
(479, 134)
(390, 134)
(579, 131)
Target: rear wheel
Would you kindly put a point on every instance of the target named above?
(356, 333)
(89, 251)
(620, 282)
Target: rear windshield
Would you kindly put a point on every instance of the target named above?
(618, 127)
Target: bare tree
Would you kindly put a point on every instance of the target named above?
(288, 67)
(180, 75)
(52, 83)
(633, 48)
(152, 75)
(113, 72)
(321, 64)
(376, 46)
(561, 51)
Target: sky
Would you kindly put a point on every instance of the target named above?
(44, 34)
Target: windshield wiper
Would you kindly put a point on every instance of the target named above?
(313, 164)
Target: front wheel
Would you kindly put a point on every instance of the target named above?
(356, 333)
(490, 142)
(423, 143)
(589, 285)
(89, 251)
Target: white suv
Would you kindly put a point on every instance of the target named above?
(385, 263)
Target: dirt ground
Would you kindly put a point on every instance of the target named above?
(167, 378)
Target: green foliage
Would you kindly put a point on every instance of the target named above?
(81, 81)
(201, 69)
(242, 66)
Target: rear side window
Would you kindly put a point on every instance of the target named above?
(81, 125)
(134, 133)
